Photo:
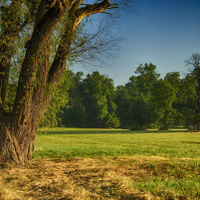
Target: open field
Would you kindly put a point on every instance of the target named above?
(92, 143)
(107, 164)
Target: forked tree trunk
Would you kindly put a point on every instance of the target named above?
(38, 79)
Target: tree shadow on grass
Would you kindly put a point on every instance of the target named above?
(189, 142)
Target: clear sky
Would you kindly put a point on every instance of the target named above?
(164, 32)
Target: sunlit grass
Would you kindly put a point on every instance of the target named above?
(66, 143)
(171, 189)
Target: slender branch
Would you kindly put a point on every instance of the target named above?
(76, 5)
(93, 9)
(75, 16)
(10, 26)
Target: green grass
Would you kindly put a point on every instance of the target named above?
(172, 189)
(107, 164)
(166, 164)
(72, 142)
(172, 179)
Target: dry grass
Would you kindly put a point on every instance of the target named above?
(71, 179)
(88, 178)
(114, 166)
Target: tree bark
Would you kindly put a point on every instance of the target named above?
(11, 149)
(17, 141)
(38, 80)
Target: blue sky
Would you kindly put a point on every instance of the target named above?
(163, 32)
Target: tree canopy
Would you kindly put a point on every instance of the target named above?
(37, 40)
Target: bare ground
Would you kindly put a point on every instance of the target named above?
(76, 179)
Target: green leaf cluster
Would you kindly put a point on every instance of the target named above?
(91, 102)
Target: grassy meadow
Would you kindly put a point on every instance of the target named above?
(92, 143)
(70, 163)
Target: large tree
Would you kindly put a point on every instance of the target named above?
(133, 100)
(194, 61)
(98, 100)
(35, 22)
(91, 102)
(162, 99)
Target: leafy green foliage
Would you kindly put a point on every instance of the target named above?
(53, 115)
(133, 100)
(187, 100)
(163, 97)
(91, 102)
(194, 61)
(149, 101)
(146, 101)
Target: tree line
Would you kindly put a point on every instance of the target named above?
(145, 101)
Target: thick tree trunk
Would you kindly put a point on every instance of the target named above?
(12, 150)
(17, 138)
(38, 80)
(17, 143)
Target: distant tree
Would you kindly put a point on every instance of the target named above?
(162, 99)
(187, 100)
(133, 100)
(174, 80)
(91, 102)
(147, 76)
(123, 101)
(194, 61)
(74, 112)
(97, 98)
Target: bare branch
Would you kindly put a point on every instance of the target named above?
(76, 15)
(76, 5)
